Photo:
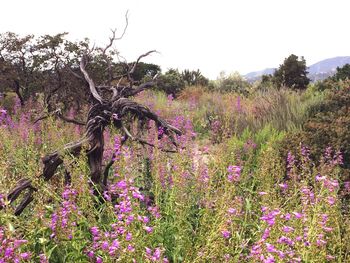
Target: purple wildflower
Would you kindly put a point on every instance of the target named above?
(226, 234)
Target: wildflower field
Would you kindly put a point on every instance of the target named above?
(239, 188)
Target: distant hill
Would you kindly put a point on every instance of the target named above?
(326, 68)
(255, 74)
(317, 71)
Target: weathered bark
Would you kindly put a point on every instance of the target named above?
(22, 185)
(59, 114)
(17, 88)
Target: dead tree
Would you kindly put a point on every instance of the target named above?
(111, 105)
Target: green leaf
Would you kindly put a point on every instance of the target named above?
(51, 251)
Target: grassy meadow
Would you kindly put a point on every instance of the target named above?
(237, 190)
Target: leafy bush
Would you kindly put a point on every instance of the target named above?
(232, 83)
(328, 126)
(342, 73)
(171, 82)
(265, 84)
(194, 78)
(338, 81)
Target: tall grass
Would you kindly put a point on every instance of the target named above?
(234, 201)
(220, 116)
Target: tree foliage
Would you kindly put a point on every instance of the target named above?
(171, 82)
(342, 73)
(19, 63)
(194, 78)
(292, 73)
(143, 70)
(340, 78)
(49, 65)
(46, 65)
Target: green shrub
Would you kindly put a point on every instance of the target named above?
(232, 83)
(328, 126)
(171, 82)
(343, 73)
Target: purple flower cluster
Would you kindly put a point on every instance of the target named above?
(216, 127)
(346, 188)
(120, 238)
(117, 148)
(155, 255)
(154, 210)
(106, 242)
(291, 167)
(231, 213)
(249, 145)
(234, 173)
(11, 249)
(226, 234)
(284, 247)
(117, 239)
(332, 158)
(186, 125)
(5, 119)
(288, 233)
(63, 221)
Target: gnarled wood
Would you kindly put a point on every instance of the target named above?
(101, 114)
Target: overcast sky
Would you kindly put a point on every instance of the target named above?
(236, 35)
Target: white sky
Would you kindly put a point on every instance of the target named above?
(242, 35)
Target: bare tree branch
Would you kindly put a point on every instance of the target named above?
(114, 38)
(58, 113)
(111, 41)
(138, 60)
(75, 74)
(22, 185)
(123, 106)
(89, 80)
(70, 120)
(142, 87)
(142, 141)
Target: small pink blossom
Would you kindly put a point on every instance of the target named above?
(226, 234)
(287, 229)
(297, 215)
(331, 200)
(270, 248)
(148, 229)
(232, 211)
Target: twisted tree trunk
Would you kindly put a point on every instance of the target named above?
(114, 110)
